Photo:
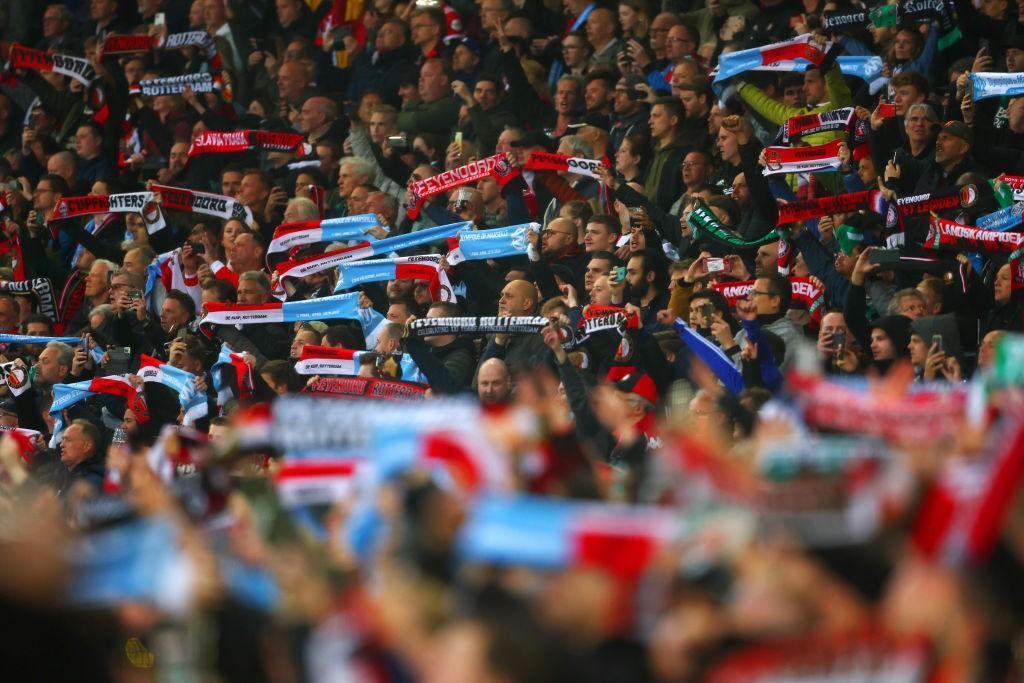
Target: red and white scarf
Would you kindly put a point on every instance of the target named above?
(206, 203)
(21, 57)
(212, 142)
(823, 206)
(327, 360)
(127, 202)
(809, 124)
(546, 161)
(1016, 185)
(804, 289)
(126, 44)
(175, 85)
(802, 159)
(120, 44)
(495, 166)
(945, 234)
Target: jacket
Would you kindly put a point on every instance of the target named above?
(439, 117)
(777, 113)
(664, 181)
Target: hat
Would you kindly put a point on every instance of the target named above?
(471, 43)
(944, 325)
(535, 138)
(961, 130)
(897, 328)
(639, 384)
(595, 120)
(850, 237)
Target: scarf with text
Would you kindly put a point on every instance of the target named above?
(824, 206)
(32, 339)
(547, 161)
(78, 68)
(288, 235)
(945, 234)
(943, 200)
(706, 225)
(797, 127)
(320, 262)
(206, 203)
(804, 290)
(477, 325)
(1003, 219)
(121, 44)
(67, 395)
(813, 159)
(495, 166)
(906, 11)
(212, 142)
(344, 306)
(985, 85)
(327, 360)
(231, 376)
(734, 63)
(603, 318)
(477, 245)
(128, 202)
(426, 267)
(381, 389)
(1012, 189)
(43, 289)
(175, 85)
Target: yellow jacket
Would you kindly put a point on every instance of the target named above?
(772, 110)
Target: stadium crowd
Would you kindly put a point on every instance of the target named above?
(511, 340)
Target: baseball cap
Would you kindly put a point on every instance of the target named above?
(960, 130)
(595, 120)
(639, 384)
(471, 43)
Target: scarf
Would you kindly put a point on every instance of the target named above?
(71, 298)
(212, 142)
(477, 245)
(811, 159)
(478, 325)
(67, 395)
(382, 389)
(206, 203)
(1003, 219)
(713, 356)
(326, 360)
(319, 262)
(175, 85)
(115, 44)
(804, 289)
(21, 57)
(986, 85)
(344, 306)
(43, 289)
(546, 161)
(823, 206)
(953, 198)
(706, 225)
(425, 267)
(129, 202)
(288, 235)
(945, 234)
(231, 366)
(30, 339)
(495, 166)
(734, 63)
(809, 124)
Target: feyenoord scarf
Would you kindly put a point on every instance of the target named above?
(174, 85)
(803, 288)
(314, 264)
(809, 124)
(824, 206)
(476, 325)
(116, 44)
(734, 63)
(476, 245)
(907, 11)
(706, 225)
(1015, 185)
(123, 44)
(206, 203)
(985, 85)
(326, 308)
(288, 235)
(327, 360)
(955, 198)
(382, 389)
(21, 57)
(546, 161)
(802, 159)
(495, 166)
(128, 202)
(212, 142)
(945, 234)
(424, 267)
(43, 289)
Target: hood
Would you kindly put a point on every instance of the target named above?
(945, 325)
(897, 327)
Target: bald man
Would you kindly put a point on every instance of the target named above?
(316, 119)
(292, 82)
(493, 382)
(63, 164)
(521, 352)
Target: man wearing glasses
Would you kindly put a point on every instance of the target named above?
(771, 295)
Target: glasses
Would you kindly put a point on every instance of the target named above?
(557, 232)
(680, 40)
(692, 164)
(755, 292)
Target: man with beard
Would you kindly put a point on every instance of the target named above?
(645, 287)
(32, 397)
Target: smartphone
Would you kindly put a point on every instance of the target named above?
(985, 44)
(458, 140)
(398, 142)
(707, 311)
(84, 343)
(884, 257)
(118, 358)
(159, 19)
(887, 110)
(617, 274)
(197, 247)
(134, 295)
(637, 217)
(716, 265)
(839, 339)
(937, 343)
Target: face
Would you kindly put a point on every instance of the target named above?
(1003, 284)
(302, 339)
(904, 46)
(866, 171)
(357, 200)
(250, 292)
(53, 25)
(516, 299)
(904, 96)
(987, 348)
(398, 313)
(766, 303)
(1014, 59)
(659, 33)
(793, 96)
(882, 347)
(949, 150)
(48, 371)
(767, 259)
(464, 59)
(100, 10)
(696, 169)
(627, 17)
(558, 237)
(601, 292)
(381, 126)
(433, 81)
(598, 237)
(74, 447)
(637, 279)
(600, 26)
(493, 384)
(728, 146)
(740, 191)
(661, 121)
(679, 44)
(994, 9)
(253, 192)
(389, 37)
(625, 159)
(287, 12)
(97, 282)
(8, 314)
(231, 183)
(918, 350)
(245, 252)
(367, 104)
(505, 141)
(596, 95)
(814, 87)
(348, 180)
(694, 104)
(491, 13)
(87, 143)
(830, 324)
(596, 268)
(44, 198)
(214, 13)
(567, 96)
(172, 315)
(574, 51)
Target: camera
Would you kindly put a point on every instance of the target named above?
(197, 247)
(399, 142)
